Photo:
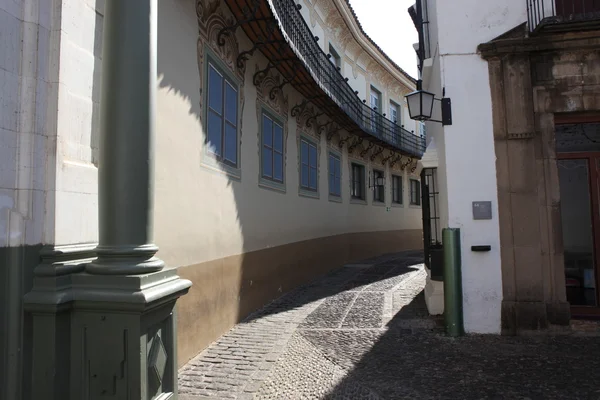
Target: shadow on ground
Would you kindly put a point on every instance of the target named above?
(426, 364)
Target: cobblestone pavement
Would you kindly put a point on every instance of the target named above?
(362, 332)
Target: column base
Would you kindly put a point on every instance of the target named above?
(125, 260)
(520, 317)
(123, 335)
(434, 295)
(49, 304)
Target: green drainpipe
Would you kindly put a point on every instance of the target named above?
(453, 311)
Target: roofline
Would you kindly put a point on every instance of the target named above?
(369, 44)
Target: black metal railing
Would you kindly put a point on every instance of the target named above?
(329, 78)
(545, 12)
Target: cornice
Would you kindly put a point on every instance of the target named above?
(369, 45)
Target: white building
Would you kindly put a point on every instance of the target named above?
(522, 78)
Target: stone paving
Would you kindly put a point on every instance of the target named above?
(362, 332)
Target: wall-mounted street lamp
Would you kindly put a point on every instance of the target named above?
(420, 106)
(378, 181)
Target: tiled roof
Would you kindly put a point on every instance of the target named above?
(396, 66)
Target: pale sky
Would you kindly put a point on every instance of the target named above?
(387, 22)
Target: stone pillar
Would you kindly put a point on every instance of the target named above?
(123, 336)
(529, 301)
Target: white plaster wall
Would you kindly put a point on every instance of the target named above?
(50, 57)
(24, 74)
(466, 149)
(77, 123)
(202, 214)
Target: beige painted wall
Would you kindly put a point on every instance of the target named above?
(203, 214)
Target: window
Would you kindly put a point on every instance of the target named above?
(395, 118)
(415, 192)
(272, 149)
(379, 190)
(375, 103)
(394, 113)
(335, 57)
(308, 165)
(358, 181)
(335, 179)
(397, 189)
(222, 116)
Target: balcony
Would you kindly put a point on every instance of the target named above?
(294, 51)
(563, 15)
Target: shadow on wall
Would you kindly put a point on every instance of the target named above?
(205, 214)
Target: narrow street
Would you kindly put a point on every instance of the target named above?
(362, 332)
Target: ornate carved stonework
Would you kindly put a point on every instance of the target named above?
(305, 115)
(267, 92)
(212, 18)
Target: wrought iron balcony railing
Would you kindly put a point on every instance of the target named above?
(562, 14)
(331, 81)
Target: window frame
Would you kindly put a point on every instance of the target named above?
(310, 143)
(422, 129)
(363, 196)
(375, 117)
(271, 182)
(378, 190)
(209, 159)
(335, 56)
(400, 196)
(232, 82)
(338, 157)
(395, 107)
(418, 192)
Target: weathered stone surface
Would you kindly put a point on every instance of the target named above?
(323, 342)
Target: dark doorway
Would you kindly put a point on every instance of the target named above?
(572, 9)
(578, 153)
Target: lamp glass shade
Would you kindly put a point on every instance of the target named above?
(420, 105)
(379, 181)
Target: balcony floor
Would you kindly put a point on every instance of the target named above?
(362, 332)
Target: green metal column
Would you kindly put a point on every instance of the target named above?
(126, 165)
(453, 307)
(123, 332)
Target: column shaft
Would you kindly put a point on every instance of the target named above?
(125, 172)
